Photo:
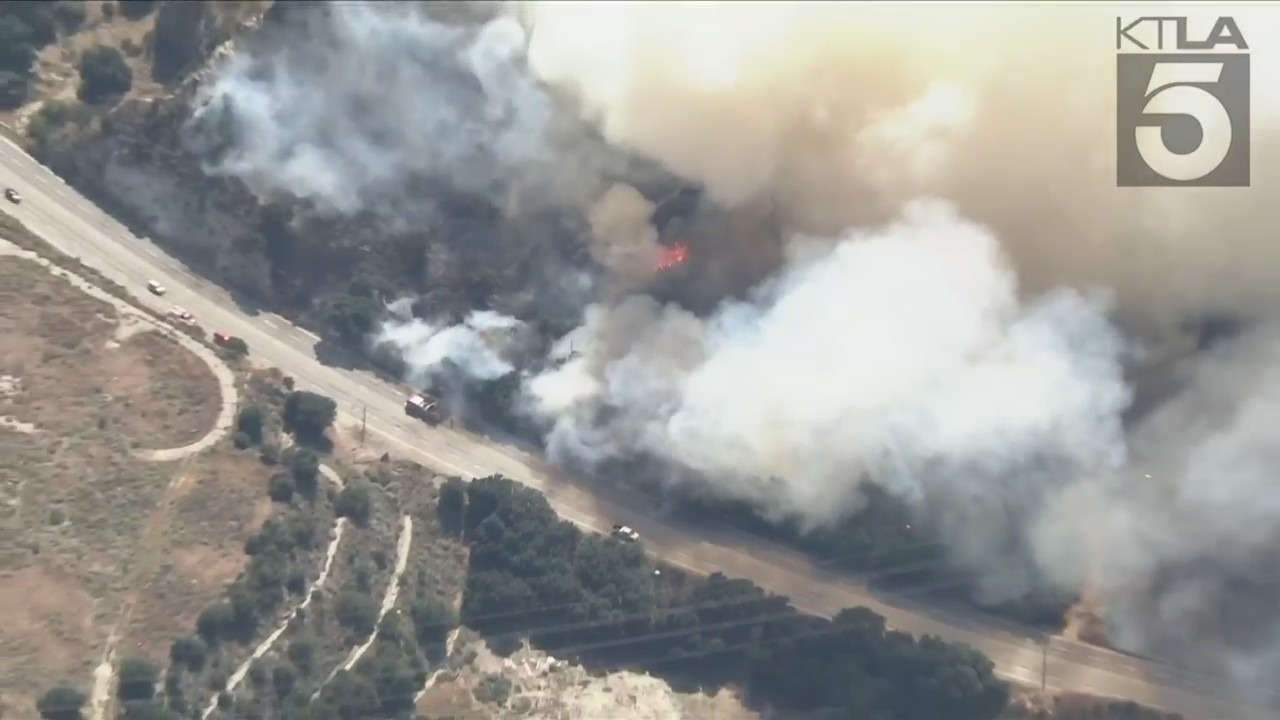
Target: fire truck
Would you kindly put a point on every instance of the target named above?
(425, 407)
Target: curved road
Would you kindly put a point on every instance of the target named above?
(70, 222)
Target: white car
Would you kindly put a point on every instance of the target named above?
(155, 288)
(626, 534)
(181, 315)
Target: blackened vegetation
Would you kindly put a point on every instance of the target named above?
(883, 543)
(599, 600)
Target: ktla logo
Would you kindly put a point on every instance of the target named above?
(1182, 118)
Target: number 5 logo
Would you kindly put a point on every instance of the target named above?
(1175, 88)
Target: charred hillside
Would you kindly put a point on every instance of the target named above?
(450, 242)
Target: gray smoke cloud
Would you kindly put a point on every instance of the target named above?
(959, 290)
(921, 365)
(351, 104)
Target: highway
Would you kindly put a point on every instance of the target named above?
(76, 226)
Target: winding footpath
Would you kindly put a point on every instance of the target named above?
(131, 315)
(265, 646)
(132, 320)
(388, 601)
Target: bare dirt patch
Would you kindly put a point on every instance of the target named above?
(48, 614)
(169, 396)
(60, 344)
(219, 505)
(95, 541)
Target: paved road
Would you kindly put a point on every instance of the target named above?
(73, 224)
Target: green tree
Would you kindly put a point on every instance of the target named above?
(302, 653)
(304, 465)
(147, 710)
(69, 14)
(251, 421)
(354, 502)
(451, 506)
(308, 415)
(433, 621)
(52, 117)
(61, 703)
(236, 347)
(136, 679)
(356, 612)
(215, 621)
(352, 317)
(190, 651)
(347, 697)
(136, 9)
(17, 46)
(104, 74)
(280, 488)
(396, 686)
(39, 16)
(180, 40)
(284, 679)
(14, 89)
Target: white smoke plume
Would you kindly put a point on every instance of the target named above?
(908, 355)
(481, 346)
(900, 356)
(348, 105)
(958, 351)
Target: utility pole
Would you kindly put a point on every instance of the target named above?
(364, 421)
(1044, 663)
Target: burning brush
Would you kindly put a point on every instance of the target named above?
(672, 256)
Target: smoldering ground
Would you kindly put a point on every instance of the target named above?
(966, 352)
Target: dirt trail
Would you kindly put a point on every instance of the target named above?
(263, 647)
(388, 601)
(150, 548)
(132, 319)
(439, 672)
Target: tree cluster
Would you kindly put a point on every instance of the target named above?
(272, 574)
(883, 542)
(599, 599)
(308, 415)
(104, 75)
(26, 27)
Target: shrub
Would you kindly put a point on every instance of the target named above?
(137, 679)
(280, 488)
(356, 612)
(14, 89)
(308, 415)
(103, 75)
(251, 421)
(136, 9)
(61, 703)
(190, 651)
(304, 465)
(354, 503)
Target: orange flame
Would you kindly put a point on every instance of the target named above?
(673, 256)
